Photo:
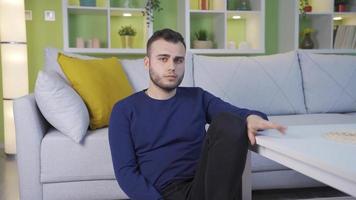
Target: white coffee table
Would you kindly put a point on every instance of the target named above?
(306, 150)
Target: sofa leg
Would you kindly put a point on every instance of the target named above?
(247, 179)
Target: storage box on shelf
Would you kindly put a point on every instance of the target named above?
(94, 29)
(234, 28)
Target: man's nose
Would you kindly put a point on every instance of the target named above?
(171, 65)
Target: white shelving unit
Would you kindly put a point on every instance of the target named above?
(108, 19)
(247, 31)
(321, 19)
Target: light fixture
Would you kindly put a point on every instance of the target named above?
(127, 14)
(236, 17)
(337, 18)
(13, 62)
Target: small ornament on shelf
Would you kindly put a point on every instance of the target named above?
(244, 5)
(127, 33)
(341, 5)
(80, 43)
(307, 42)
(201, 41)
(204, 4)
(304, 7)
(90, 3)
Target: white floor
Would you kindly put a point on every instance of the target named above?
(9, 185)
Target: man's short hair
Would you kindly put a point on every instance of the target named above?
(168, 35)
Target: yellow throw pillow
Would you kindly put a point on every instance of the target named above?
(100, 83)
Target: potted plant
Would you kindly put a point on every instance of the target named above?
(201, 41)
(307, 42)
(151, 6)
(341, 5)
(304, 7)
(127, 33)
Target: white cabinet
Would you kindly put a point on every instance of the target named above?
(94, 29)
(333, 31)
(233, 29)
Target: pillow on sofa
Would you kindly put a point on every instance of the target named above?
(100, 83)
(271, 84)
(61, 105)
(329, 82)
(51, 63)
(134, 69)
(136, 73)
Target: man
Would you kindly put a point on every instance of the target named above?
(159, 146)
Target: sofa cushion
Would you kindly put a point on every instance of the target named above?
(271, 84)
(64, 160)
(61, 105)
(51, 64)
(260, 163)
(329, 82)
(100, 83)
(139, 77)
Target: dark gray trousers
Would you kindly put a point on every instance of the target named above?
(219, 173)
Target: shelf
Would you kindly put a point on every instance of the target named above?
(321, 20)
(244, 31)
(86, 10)
(226, 33)
(101, 23)
(106, 50)
(207, 11)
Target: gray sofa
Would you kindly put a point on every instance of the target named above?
(292, 88)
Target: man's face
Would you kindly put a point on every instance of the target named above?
(166, 64)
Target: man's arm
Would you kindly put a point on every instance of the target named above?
(215, 105)
(123, 155)
(255, 120)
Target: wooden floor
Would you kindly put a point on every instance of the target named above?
(9, 187)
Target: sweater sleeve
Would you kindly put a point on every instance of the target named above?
(214, 105)
(126, 168)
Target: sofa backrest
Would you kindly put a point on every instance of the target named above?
(329, 82)
(271, 84)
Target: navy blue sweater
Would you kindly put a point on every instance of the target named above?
(154, 142)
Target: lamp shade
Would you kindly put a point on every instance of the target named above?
(13, 63)
(9, 127)
(12, 21)
(14, 70)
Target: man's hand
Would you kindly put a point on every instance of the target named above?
(256, 123)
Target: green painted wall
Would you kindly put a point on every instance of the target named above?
(41, 34)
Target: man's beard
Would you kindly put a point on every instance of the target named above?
(166, 87)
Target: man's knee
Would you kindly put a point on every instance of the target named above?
(230, 127)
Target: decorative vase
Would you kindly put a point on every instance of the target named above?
(307, 42)
(341, 8)
(91, 3)
(126, 41)
(308, 8)
(202, 44)
(204, 4)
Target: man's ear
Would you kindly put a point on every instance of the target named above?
(146, 62)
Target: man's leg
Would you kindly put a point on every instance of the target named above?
(220, 169)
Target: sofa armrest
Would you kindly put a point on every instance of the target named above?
(30, 128)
